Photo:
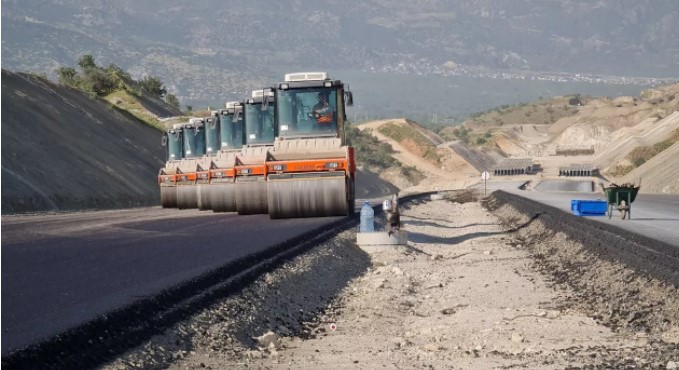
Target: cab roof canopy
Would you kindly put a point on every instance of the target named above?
(306, 76)
(308, 79)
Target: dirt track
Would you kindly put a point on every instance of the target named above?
(477, 290)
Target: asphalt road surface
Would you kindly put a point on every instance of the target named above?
(370, 186)
(653, 215)
(59, 271)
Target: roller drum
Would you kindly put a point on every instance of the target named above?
(187, 197)
(168, 196)
(308, 196)
(203, 197)
(251, 196)
(223, 197)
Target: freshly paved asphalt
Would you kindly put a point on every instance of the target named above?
(59, 271)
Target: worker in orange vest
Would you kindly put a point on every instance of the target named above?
(324, 112)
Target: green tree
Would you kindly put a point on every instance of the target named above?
(97, 81)
(118, 77)
(68, 76)
(115, 70)
(153, 85)
(172, 100)
(189, 108)
(87, 61)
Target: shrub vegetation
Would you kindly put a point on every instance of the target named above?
(101, 81)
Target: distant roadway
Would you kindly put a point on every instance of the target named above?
(653, 215)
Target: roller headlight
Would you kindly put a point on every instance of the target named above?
(331, 165)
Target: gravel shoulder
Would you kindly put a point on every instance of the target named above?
(476, 290)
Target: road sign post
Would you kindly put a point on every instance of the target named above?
(485, 176)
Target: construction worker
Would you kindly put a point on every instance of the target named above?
(324, 112)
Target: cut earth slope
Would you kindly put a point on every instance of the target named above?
(63, 150)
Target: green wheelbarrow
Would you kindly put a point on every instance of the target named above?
(621, 197)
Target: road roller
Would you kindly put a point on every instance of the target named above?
(212, 146)
(173, 141)
(310, 170)
(250, 169)
(193, 168)
(220, 192)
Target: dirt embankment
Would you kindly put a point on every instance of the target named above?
(452, 171)
(604, 131)
(660, 174)
(477, 289)
(62, 150)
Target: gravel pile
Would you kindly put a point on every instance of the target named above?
(249, 326)
(474, 290)
(629, 302)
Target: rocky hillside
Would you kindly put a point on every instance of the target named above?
(626, 138)
(64, 150)
(658, 175)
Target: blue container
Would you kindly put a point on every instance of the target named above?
(367, 219)
(589, 207)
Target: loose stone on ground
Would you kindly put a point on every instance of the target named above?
(468, 294)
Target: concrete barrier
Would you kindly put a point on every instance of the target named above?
(381, 241)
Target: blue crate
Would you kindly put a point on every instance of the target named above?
(589, 207)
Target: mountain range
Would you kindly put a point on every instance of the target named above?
(209, 48)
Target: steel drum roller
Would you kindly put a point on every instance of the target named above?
(223, 197)
(251, 195)
(187, 197)
(168, 196)
(308, 195)
(203, 197)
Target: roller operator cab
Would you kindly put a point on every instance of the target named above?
(212, 133)
(260, 118)
(231, 126)
(194, 138)
(311, 170)
(311, 105)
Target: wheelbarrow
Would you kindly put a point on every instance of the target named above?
(621, 197)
